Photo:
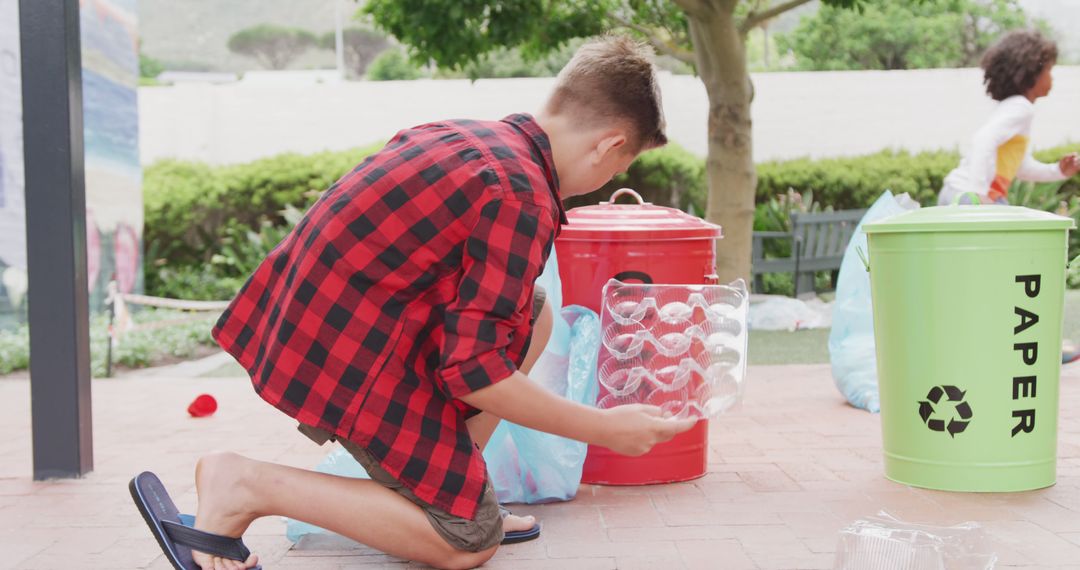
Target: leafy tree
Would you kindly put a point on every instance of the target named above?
(708, 34)
(392, 65)
(362, 46)
(510, 62)
(504, 62)
(273, 46)
(897, 35)
(984, 22)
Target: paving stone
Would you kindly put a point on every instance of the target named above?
(787, 470)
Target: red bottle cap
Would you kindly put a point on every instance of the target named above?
(203, 406)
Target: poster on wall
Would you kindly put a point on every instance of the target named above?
(110, 70)
(12, 209)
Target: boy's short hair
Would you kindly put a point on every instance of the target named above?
(1013, 64)
(612, 79)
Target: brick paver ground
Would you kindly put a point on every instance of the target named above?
(786, 472)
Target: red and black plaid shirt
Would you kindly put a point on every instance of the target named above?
(408, 285)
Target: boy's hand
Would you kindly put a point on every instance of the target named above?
(630, 430)
(634, 429)
(1069, 164)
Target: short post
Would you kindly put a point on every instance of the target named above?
(111, 301)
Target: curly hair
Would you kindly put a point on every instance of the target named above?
(1013, 64)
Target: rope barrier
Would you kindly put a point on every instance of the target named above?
(179, 304)
(120, 321)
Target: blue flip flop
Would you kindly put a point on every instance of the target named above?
(516, 536)
(176, 539)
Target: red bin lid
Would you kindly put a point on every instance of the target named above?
(608, 221)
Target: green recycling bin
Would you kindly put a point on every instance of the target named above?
(967, 326)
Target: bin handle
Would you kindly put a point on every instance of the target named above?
(862, 256)
(624, 191)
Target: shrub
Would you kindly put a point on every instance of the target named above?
(14, 349)
(667, 176)
(855, 182)
(207, 227)
(198, 282)
(1070, 187)
(188, 205)
(393, 65)
(149, 68)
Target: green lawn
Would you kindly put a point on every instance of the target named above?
(812, 346)
(1071, 328)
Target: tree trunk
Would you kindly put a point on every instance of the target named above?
(721, 62)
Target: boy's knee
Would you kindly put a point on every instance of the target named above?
(463, 559)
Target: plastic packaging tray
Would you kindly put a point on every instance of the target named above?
(679, 347)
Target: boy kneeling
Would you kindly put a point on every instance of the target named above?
(399, 317)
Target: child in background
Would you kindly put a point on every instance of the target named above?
(1017, 71)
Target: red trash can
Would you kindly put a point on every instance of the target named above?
(637, 243)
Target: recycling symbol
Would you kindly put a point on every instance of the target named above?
(958, 422)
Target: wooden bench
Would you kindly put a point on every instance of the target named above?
(818, 241)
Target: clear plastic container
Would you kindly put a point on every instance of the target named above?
(885, 543)
(679, 347)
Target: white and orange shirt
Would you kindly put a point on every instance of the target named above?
(1000, 152)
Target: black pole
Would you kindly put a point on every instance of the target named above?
(56, 238)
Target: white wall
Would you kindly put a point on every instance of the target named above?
(795, 114)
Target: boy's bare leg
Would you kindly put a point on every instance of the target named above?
(482, 425)
(234, 491)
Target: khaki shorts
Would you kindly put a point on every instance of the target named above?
(463, 534)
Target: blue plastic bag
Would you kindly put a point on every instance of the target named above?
(851, 341)
(529, 466)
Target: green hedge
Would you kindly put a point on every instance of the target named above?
(670, 176)
(188, 205)
(843, 183)
(207, 225)
(856, 182)
(846, 183)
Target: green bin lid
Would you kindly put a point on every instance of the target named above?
(970, 219)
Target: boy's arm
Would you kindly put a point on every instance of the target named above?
(1036, 171)
(500, 261)
(630, 430)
